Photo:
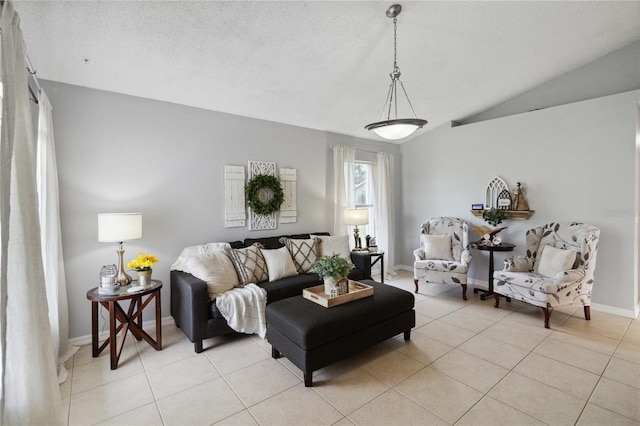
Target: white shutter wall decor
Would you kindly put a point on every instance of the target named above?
(234, 206)
(288, 210)
(262, 221)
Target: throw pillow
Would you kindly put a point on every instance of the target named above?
(180, 264)
(554, 260)
(250, 264)
(303, 252)
(338, 244)
(279, 263)
(437, 247)
(216, 269)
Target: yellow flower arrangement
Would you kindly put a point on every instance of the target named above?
(143, 262)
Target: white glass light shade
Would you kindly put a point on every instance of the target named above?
(119, 227)
(356, 216)
(396, 129)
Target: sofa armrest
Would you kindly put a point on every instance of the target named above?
(362, 262)
(189, 304)
(465, 257)
(568, 276)
(418, 254)
(518, 264)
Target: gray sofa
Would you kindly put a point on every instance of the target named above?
(199, 317)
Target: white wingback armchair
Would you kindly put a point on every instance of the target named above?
(443, 256)
(557, 269)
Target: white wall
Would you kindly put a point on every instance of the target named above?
(577, 160)
(119, 153)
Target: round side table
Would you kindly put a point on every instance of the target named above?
(491, 249)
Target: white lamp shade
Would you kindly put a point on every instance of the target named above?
(118, 227)
(356, 216)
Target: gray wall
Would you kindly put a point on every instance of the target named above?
(617, 72)
(119, 153)
(577, 160)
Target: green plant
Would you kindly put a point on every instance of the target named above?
(332, 266)
(494, 216)
(264, 194)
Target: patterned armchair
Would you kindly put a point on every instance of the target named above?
(443, 256)
(557, 270)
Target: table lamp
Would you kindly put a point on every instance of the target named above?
(356, 217)
(118, 228)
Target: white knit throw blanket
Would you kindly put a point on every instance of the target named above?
(243, 308)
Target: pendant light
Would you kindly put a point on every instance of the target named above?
(393, 127)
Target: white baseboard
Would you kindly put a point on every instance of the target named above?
(627, 313)
(86, 339)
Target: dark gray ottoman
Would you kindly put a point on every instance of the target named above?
(312, 336)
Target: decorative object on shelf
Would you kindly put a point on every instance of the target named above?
(142, 265)
(393, 127)
(333, 270)
(118, 228)
(504, 200)
(477, 206)
(355, 217)
(259, 221)
(520, 202)
(494, 189)
(494, 216)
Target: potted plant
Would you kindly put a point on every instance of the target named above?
(494, 216)
(333, 270)
(142, 265)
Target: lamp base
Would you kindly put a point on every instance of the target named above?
(356, 235)
(122, 278)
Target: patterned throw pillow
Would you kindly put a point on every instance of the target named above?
(303, 252)
(250, 264)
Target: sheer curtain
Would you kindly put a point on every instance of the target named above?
(30, 392)
(384, 208)
(344, 160)
(51, 239)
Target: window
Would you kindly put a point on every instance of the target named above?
(363, 191)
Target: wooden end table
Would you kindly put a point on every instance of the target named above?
(491, 249)
(130, 320)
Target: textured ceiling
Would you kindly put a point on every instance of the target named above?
(321, 64)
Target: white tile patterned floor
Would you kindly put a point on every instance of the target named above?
(467, 364)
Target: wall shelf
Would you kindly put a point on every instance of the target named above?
(511, 214)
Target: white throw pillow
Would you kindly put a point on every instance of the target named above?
(437, 247)
(279, 263)
(338, 244)
(554, 260)
(216, 269)
(180, 264)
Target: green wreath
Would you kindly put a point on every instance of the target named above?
(264, 194)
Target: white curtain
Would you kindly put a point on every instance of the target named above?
(344, 160)
(30, 392)
(51, 238)
(384, 208)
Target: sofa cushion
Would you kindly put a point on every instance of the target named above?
(216, 269)
(180, 263)
(554, 260)
(329, 245)
(437, 247)
(303, 252)
(267, 242)
(289, 287)
(279, 263)
(250, 264)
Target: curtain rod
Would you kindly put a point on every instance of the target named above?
(357, 149)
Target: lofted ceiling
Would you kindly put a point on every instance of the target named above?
(321, 64)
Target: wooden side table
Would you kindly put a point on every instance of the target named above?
(374, 257)
(130, 320)
(491, 249)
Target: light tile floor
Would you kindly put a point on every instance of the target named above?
(467, 364)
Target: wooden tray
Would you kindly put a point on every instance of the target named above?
(357, 290)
